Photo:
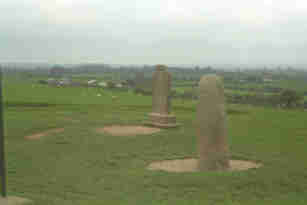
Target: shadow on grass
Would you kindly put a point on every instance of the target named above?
(122, 107)
(28, 104)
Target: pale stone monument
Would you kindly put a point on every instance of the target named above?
(211, 125)
(161, 85)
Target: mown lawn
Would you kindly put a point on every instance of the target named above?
(79, 166)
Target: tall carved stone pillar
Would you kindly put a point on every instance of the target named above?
(161, 103)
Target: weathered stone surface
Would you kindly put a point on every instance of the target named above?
(161, 103)
(161, 90)
(162, 121)
(211, 125)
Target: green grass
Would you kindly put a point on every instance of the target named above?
(80, 166)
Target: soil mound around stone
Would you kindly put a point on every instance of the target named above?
(37, 136)
(191, 165)
(125, 130)
(14, 200)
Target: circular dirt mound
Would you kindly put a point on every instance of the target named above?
(119, 130)
(190, 165)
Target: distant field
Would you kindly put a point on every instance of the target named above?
(80, 166)
(299, 85)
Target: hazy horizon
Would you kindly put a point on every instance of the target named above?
(171, 32)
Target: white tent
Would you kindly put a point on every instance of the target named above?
(91, 82)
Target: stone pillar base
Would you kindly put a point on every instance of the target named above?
(13, 200)
(218, 165)
(162, 120)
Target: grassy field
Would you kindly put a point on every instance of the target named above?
(79, 166)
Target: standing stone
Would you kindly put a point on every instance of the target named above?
(4, 199)
(3, 180)
(211, 125)
(161, 85)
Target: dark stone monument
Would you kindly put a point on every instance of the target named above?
(3, 190)
(4, 199)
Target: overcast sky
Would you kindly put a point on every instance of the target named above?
(154, 31)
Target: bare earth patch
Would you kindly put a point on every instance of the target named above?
(13, 200)
(42, 134)
(190, 165)
(71, 120)
(120, 130)
(18, 201)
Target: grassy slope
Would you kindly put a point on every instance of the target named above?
(80, 166)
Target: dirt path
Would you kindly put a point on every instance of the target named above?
(42, 134)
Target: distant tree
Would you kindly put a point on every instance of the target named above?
(290, 98)
(111, 85)
(208, 68)
(57, 71)
(254, 79)
(130, 83)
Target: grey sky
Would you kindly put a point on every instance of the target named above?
(150, 32)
